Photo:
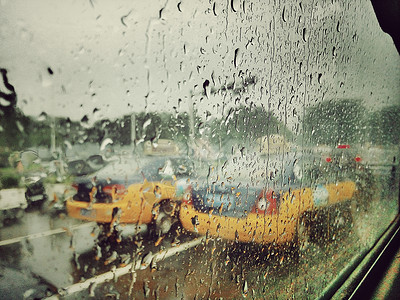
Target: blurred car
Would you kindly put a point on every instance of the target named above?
(33, 177)
(132, 191)
(12, 205)
(118, 175)
(242, 203)
(161, 147)
(79, 166)
(273, 143)
(342, 163)
(35, 189)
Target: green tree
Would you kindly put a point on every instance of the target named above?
(247, 123)
(335, 121)
(384, 126)
(148, 126)
(175, 127)
(10, 128)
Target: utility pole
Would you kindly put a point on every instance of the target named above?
(133, 128)
(52, 135)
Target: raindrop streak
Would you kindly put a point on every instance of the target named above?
(304, 35)
(146, 289)
(236, 57)
(85, 119)
(245, 289)
(283, 15)
(319, 78)
(205, 86)
(123, 18)
(233, 4)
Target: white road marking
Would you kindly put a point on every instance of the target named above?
(45, 233)
(137, 265)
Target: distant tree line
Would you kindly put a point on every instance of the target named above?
(246, 124)
(329, 122)
(348, 121)
(384, 126)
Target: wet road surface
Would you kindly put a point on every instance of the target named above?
(51, 255)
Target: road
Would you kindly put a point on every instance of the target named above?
(63, 254)
(52, 256)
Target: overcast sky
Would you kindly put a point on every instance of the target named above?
(110, 58)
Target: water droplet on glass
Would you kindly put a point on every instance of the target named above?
(214, 10)
(146, 289)
(111, 258)
(206, 88)
(235, 5)
(305, 34)
(4, 102)
(146, 261)
(245, 289)
(236, 58)
(157, 192)
(283, 14)
(19, 126)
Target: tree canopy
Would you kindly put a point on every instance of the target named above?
(384, 126)
(336, 121)
(247, 123)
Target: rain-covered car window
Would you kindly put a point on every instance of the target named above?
(193, 149)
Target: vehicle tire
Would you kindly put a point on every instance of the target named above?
(365, 189)
(19, 214)
(166, 218)
(342, 222)
(28, 201)
(306, 245)
(302, 237)
(163, 224)
(107, 238)
(104, 229)
(331, 224)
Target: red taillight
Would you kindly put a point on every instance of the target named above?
(328, 159)
(357, 159)
(119, 189)
(343, 146)
(266, 203)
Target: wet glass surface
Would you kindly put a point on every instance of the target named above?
(193, 150)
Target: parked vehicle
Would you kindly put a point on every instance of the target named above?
(80, 166)
(241, 203)
(33, 175)
(344, 163)
(337, 163)
(161, 147)
(133, 191)
(35, 193)
(12, 205)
